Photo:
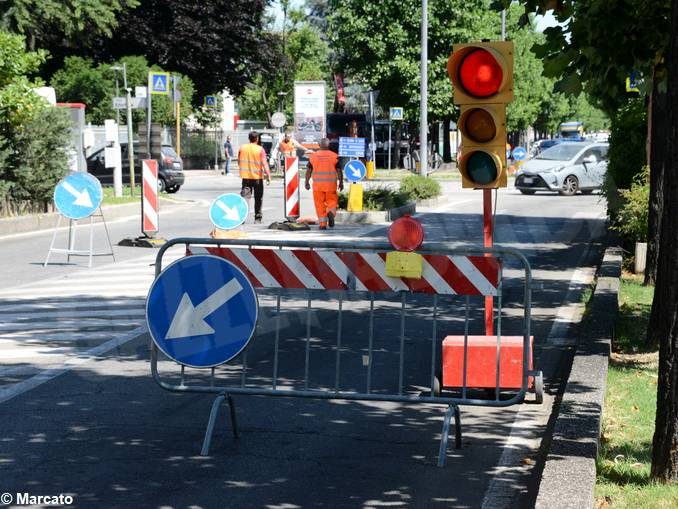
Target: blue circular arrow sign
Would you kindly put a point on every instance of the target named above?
(519, 153)
(355, 171)
(228, 211)
(78, 195)
(201, 311)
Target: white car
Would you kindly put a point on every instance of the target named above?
(566, 168)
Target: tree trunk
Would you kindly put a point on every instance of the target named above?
(664, 316)
(657, 122)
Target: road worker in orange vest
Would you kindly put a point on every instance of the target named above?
(323, 166)
(288, 147)
(253, 166)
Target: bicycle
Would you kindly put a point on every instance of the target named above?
(412, 161)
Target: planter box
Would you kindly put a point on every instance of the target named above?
(379, 216)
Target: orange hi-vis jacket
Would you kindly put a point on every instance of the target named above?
(287, 149)
(324, 163)
(251, 161)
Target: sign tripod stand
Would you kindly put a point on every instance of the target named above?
(70, 250)
(78, 196)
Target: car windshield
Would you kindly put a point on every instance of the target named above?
(561, 152)
(168, 151)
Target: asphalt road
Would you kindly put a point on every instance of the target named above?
(81, 414)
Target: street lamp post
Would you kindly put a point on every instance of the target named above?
(117, 68)
(130, 133)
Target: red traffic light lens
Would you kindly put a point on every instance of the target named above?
(479, 126)
(481, 168)
(480, 74)
(406, 234)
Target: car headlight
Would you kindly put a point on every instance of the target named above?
(552, 177)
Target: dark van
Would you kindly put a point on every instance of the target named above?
(170, 168)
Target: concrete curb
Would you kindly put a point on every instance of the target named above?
(35, 222)
(569, 475)
(381, 216)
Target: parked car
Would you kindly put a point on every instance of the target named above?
(170, 168)
(567, 167)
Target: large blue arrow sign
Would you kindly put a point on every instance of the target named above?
(78, 195)
(201, 311)
(228, 211)
(355, 171)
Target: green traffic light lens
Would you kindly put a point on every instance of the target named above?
(481, 168)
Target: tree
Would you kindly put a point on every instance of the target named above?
(218, 43)
(80, 80)
(305, 57)
(41, 21)
(664, 316)
(34, 137)
(596, 50)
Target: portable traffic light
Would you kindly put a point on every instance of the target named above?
(482, 75)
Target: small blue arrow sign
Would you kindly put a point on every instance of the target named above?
(210, 101)
(78, 195)
(228, 211)
(355, 171)
(519, 153)
(201, 311)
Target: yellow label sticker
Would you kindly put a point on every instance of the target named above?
(404, 264)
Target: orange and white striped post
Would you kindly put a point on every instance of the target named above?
(150, 224)
(292, 188)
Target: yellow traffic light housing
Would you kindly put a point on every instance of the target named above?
(482, 75)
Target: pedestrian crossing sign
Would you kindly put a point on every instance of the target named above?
(210, 101)
(396, 113)
(159, 82)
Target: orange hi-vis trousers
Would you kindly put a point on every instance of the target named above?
(325, 201)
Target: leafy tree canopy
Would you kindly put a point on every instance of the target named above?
(40, 19)
(81, 80)
(599, 43)
(217, 43)
(306, 57)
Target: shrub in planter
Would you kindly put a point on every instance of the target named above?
(419, 188)
(378, 198)
(631, 219)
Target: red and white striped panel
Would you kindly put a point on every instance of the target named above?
(291, 188)
(149, 197)
(362, 271)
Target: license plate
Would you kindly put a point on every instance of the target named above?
(528, 180)
(176, 165)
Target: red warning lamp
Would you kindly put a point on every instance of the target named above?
(406, 234)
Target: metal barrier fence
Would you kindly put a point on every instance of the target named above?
(366, 352)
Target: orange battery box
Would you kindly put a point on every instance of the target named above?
(481, 362)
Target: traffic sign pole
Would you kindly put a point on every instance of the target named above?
(488, 242)
(148, 119)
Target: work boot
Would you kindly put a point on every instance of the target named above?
(330, 219)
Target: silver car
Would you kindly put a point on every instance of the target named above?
(566, 168)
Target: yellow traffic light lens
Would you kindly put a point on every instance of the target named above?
(478, 125)
(481, 168)
(480, 74)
